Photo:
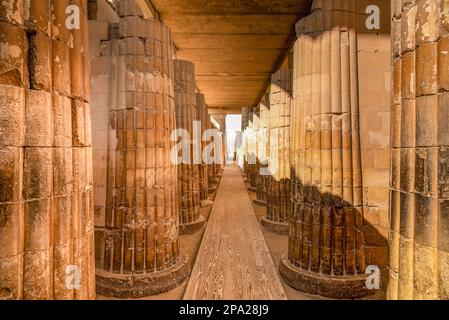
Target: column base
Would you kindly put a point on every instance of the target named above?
(260, 202)
(340, 287)
(212, 190)
(191, 227)
(142, 285)
(273, 226)
(252, 189)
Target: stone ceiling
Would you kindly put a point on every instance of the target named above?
(234, 44)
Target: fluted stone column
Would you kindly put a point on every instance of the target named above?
(326, 253)
(212, 168)
(243, 155)
(419, 210)
(245, 124)
(263, 150)
(202, 115)
(46, 207)
(137, 243)
(251, 138)
(278, 182)
(221, 121)
(188, 173)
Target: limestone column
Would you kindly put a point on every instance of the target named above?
(245, 124)
(251, 136)
(326, 240)
(137, 243)
(278, 182)
(419, 210)
(46, 208)
(212, 168)
(188, 173)
(202, 114)
(243, 155)
(221, 121)
(263, 149)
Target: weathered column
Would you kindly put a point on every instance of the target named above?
(251, 136)
(137, 243)
(278, 182)
(221, 121)
(327, 237)
(245, 124)
(263, 149)
(46, 208)
(419, 210)
(188, 173)
(243, 155)
(201, 116)
(212, 168)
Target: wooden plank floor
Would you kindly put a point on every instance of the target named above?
(233, 262)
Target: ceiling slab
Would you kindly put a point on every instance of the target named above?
(235, 45)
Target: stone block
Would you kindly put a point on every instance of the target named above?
(40, 64)
(39, 119)
(12, 116)
(61, 68)
(37, 178)
(13, 66)
(10, 230)
(39, 16)
(62, 121)
(426, 69)
(426, 118)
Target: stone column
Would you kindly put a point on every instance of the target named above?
(242, 150)
(221, 121)
(212, 168)
(278, 182)
(263, 149)
(188, 173)
(419, 210)
(245, 123)
(202, 115)
(137, 243)
(251, 136)
(327, 236)
(46, 207)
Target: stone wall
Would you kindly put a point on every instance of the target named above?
(46, 196)
(419, 232)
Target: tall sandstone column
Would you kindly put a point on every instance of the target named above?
(243, 147)
(46, 207)
(202, 116)
(221, 121)
(137, 243)
(251, 136)
(188, 173)
(419, 234)
(330, 241)
(213, 167)
(278, 182)
(263, 149)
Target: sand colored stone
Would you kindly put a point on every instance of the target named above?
(46, 201)
(137, 215)
(419, 179)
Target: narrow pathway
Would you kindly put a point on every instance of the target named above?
(233, 262)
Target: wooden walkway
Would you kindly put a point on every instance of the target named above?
(233, 262)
